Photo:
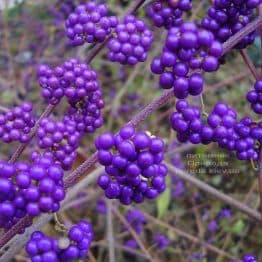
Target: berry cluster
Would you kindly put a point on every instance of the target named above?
(249, 258)
(60, 139)
(90, 23)
(187, 122)
(80, 236)
(255, 97)
(243, 139)
(186, 49)
(73, 79)
(132, 164)
(87, 113)
(131, 41)
(29, 189)
(168, 13)
(225, 18)
(222, 127)
(16, 124)
(43, 248)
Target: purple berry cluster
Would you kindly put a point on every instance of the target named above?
(87, 113)
(168, 13)
(72, 79)
(80, 236)
(254, 97)
(227, 17)
(90, 23)
(130, 42)
(249, 258)
(133, 166)
(222, 127)
(187, 122)
(60, 139)
(29, 189)
(43, 248)
(187, 49)
(16, 124)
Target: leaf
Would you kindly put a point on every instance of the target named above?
(238, 227)
(163, 202)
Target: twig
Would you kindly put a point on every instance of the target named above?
(250, 64)
(110, 233)
(214, 192)
(133, 233)
(91, 256)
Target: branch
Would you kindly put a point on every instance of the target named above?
(249, 64)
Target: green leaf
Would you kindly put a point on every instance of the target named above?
(238, 227)
(163, 202)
